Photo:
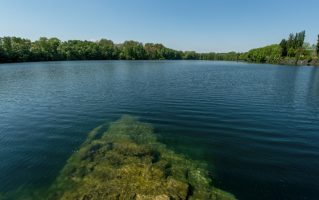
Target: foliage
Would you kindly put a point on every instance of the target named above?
(52, 49)
(190, 55)
(294, 45)
(231, 56)
(268, 54)
(45, 49)
(127, 162)
(160, 52)
(284, 47)
(289, 50)
(79, 50)
(14, 49)
(107, 49)
(132, 50)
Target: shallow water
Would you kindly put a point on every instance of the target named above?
(128, 162)
(257, 126)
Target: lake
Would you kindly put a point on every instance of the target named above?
(255, 125)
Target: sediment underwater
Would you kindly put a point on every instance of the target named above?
(127, 162)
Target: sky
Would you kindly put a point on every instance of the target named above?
(200, 25)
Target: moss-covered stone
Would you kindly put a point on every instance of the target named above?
(127, 162)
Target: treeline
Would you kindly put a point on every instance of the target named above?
(15, 49)
(267, 54)
(288, 51)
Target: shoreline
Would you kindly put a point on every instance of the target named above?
(284, 61)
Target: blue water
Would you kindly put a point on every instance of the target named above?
(257, 126)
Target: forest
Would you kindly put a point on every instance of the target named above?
(16, 49)
(288, 51)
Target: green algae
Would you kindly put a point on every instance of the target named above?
(127, 162)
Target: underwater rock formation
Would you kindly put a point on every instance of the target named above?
(127, 162)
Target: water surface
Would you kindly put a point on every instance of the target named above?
(257, 126)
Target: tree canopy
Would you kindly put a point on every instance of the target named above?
(267, 54)
(15, 49)
(293, 45)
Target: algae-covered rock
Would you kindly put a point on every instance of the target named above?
(127, 162)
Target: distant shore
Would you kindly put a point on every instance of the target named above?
(290, 62)
(291, 51)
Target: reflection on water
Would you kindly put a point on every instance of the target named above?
(313, 86)
(256, 126)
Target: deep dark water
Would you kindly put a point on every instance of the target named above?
(257, 126)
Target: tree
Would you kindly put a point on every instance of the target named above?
(160, 52)
(2, 53)
(132, 50)
(53, 45)
(268, 54)
(107, 49)
(80, 50)
(284, 49)
(190, 55)
(154, 51)
(291, 52)
(39, 50)
(293, 47)
(46, 49)
(300, 37)
(290, 41)
(15, 49)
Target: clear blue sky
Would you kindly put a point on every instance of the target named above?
(201, 25)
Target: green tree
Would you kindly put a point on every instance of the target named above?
(190, 55)
(154, 51)
(53, 45)
(107, 49)
(132, 50)
(40, 49)
(267, 54)
(80, 50)
(46, 49)
(293, 47)
(284, 49)
(300, 38)
(300, 51)
(15, 49)
(160, 52)
(2, 53)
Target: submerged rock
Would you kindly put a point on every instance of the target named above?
(127, 162)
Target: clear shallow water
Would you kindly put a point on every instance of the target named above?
(257, 126)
